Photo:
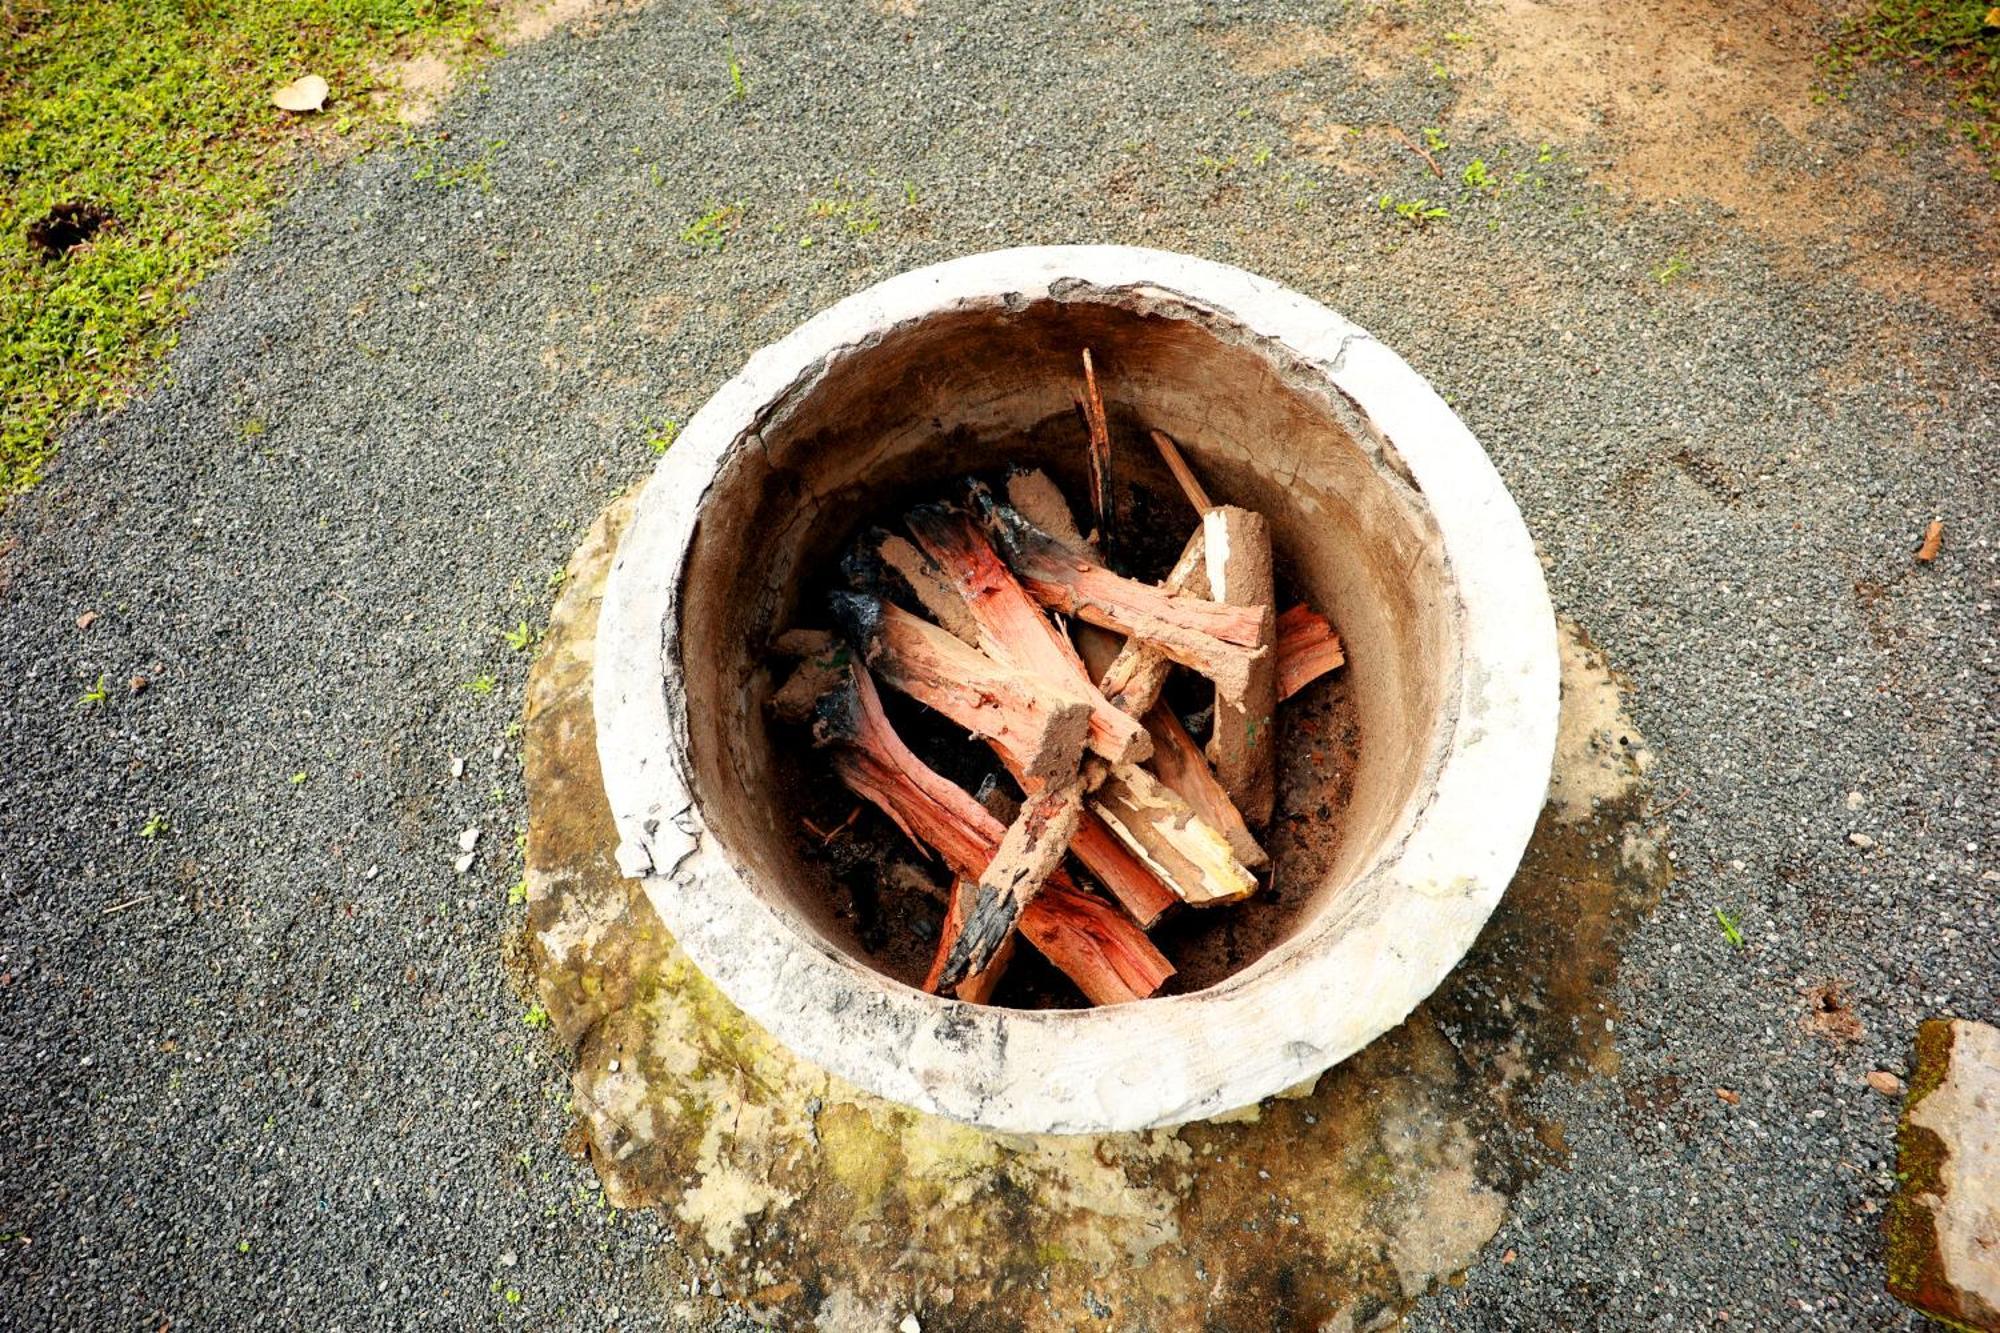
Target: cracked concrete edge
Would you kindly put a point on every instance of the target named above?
(1351, 976)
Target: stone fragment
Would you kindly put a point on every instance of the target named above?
(1885, 1082)
(468, 839)
(86, 620)
(1943, 1225)
(1861, 840)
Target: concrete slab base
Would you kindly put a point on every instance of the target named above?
(1332, 1206)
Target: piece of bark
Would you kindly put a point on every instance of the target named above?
(1035, 494)
(979, 987)
(1100, 451)
(1162, 831)
(803, 642)
(994, 797)
(1180, 766)
(1190, 485)
(1242, 742)
(1219, 641)
(1307, 649)
(1038, 727)
(1090, 941)
(1030, 851)
(817, 673)
(880, 561)
(1012, 629)
(1933, 541)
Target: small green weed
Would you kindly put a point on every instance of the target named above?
(482, 684)
(661, 437)
(710, 231)
(1729, 927)
(536, 1017)
(1415, 212)
(299, 778)
(156, 824)
(739, 90)
(520, 638)
(93, 696)
(857, 213)
(1434, 139)
(517, 893)
(1673, 269)
(1476, 176)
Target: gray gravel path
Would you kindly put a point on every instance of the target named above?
(265, 1067)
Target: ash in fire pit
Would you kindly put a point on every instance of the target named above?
(1020, 724)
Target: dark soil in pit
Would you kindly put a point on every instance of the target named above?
(890, 893)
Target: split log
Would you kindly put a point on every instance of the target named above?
(1182, 850)
(1130, 880)
(1029, 853)
(979, 987)
(1242, 743)
(1219, 641)
(880, 560)
(1039, 729)
(1307, 649)
(1180, 766)
(1090, 941)
(1013, 630)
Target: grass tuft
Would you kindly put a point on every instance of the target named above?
(138, 148)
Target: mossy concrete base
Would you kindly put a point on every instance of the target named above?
(1332, 1206)
(1943, 1226)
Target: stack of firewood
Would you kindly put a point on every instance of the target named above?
(999, 613)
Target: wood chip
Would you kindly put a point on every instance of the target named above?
(1933, 541)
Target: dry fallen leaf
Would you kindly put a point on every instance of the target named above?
(306, 94)
(86, 620)
(1726, 1095)
(1933, 541)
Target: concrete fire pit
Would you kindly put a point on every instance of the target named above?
(1394, 523)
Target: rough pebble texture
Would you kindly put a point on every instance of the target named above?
(275, 1088)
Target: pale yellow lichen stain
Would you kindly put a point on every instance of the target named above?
(1331, 1206)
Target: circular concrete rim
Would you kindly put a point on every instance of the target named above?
(1344, 980)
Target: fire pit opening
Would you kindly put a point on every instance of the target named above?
(1410, 782)
(900, 418)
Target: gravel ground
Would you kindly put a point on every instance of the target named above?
(264, 1065)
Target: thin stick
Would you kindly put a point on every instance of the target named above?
(129, 902)
(1420, 151)
(1191, 485)
(1100, 452)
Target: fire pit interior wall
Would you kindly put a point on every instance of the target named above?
(987, 386)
